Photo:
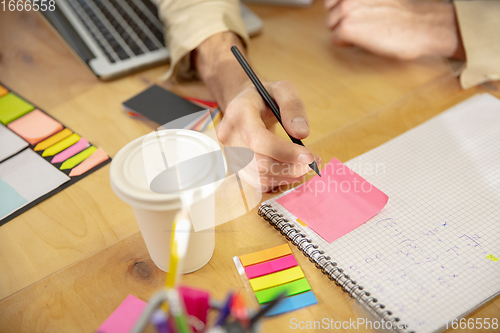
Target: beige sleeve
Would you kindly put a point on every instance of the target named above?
(479, 24)
(189, 22)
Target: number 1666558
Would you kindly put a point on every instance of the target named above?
(474, 323)
(25, 5)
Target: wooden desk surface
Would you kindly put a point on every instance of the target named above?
(67, 263)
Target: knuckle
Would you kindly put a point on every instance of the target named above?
(222, 135)
(345, 7)
(285, 85)
(342, 32)
(293, 104)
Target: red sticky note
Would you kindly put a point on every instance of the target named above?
(124, 317)
(336, 203)
(270, 266)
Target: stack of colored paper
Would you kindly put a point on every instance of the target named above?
(275, 271)
(170, 110)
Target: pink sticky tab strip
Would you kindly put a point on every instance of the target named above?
(124, 317)
(270, 266)
(70, 151)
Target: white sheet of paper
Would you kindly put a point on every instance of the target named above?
(10, 143)
(31, 176)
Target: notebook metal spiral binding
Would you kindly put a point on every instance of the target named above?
(324, 263)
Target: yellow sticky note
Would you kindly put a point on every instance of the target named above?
(265, 255)
(61, 145)
(53, 139)
(492, 257)
(276, 279)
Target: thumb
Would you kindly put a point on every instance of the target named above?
(292, 109)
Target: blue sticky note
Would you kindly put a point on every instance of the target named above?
(10, 200)
(294, 303)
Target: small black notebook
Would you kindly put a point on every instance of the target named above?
(164, 107)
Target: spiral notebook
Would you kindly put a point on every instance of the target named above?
(431, 255)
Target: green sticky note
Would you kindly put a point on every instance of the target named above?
(13, 107)
(72, 162)
(292, 288)
(61, 145)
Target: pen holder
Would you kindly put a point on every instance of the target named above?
(198, 304)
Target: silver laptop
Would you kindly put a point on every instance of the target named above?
(116, 37)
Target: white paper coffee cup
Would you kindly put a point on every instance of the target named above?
(138, 163)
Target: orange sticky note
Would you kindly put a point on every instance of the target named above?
(53, 139)
(35, 126)
(299, 221)
(93, 160)
(3, 91)
(265, 255)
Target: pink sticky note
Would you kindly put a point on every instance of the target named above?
(124, 317)
(70, 151)
(96, 158)
(336, 203)
(270, 266)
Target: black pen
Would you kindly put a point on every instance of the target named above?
(267, 98)
(265, 309)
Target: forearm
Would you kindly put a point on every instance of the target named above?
(219, 69)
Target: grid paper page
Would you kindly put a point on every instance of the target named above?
(424, 256)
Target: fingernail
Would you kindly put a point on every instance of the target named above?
(306, 158)
(299, 124)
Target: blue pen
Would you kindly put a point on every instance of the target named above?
(224, 312)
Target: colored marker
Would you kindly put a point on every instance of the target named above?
(239, 309)
(176, 308)
(225, 310)
(160, 321)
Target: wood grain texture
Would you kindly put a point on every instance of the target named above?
(68, 262)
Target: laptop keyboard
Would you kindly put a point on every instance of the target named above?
(123, 29)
